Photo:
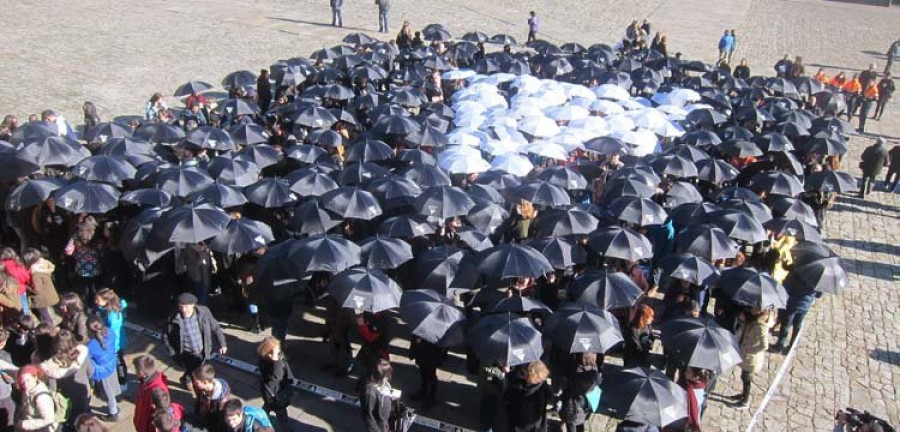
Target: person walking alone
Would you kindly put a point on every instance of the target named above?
(869, 98)
(874, 158)
(533, 24)
(384, 6)
(189, 336)
(886, 89)
(337, 19)
(893, 175)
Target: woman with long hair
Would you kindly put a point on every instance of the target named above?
(102, 353)
(112, 309)
(582, 376)
(276, 379)
(74, 318)
(37, 409)
(375, 397)
(639, 338)
(85, 251)
(527, 395)
(66, 362)
(14, 268)
(43, 295)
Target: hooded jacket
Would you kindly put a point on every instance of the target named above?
(143, 405)
(43, 292)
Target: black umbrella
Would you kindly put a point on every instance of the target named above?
(427, 176)
(475, 37)
(308, 182)
(701, 138)
(433, 317)
(405, 227)
(159, 133)
(316, 253)
(209, 137)
(369, 150)
(52, 150)
(312, 218)
(485, 194)
(740, 148)
(510, 260)
(232, 171)
(692, 213)
(825, 146)
(87, 197)
(503, 39)
(190, 223)
(135, 150)
(689, 268)
(385, 253)
(675, 166)
(825, 275)
(622, 243)
(831, 181)
(395, 125)
(394, 191)
(241, 236)
(474, 239)
(637, 211)
(445, 269)
(270, 193)
(182, 181)
(192, 87)
(542, 193)
(689, 152)
(682, 192)
(519, 304)
(705, 117)
(248, 134)
(315, 117)
(352, 203)
(364, 289)
(774, 142)
(103, 132)
(639, 187)
(32, 192)
(604, 289)
(739, 226)
(362, 172)
(706, 241)
(241, 78)
(643, 395)
(797, 228)
(558, 222)
(754, 207)
(716, 171)
(793, 208)
(563, 177)
(106, 169)
(750, 287)
(135, 234)
(701, 343)
(443, 202)
(220, 195)
(505, 339)
(149, 197)
(561, 252)
(778, 183)
(487, 217)
(583, 328)
(498, 180)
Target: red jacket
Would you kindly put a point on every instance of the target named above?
(143, 405)
(19, 273)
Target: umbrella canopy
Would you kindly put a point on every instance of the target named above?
(308, 182)
(622, 243)
(558, 222)
(750, 287)
(385, 253)
(183, 181)
(210, 137)
(701, 343)
(446, 269)
(312, 218)
(487, 217)
(192, 87)
(637, 211)
(87, 197)
(189, 223)
(505, 339)
(795, 227)
(778, 183)
(233, 172)
(432, 317)
(364, 289)
(440, 203)
(521, 305)
(705, 241)
(561, 252)
(405, 227)
(103, 132)
(542, 193)
(825, 275)
(510, 260)
(739, 226)
(148, 197)
(32, 192)
(352, 203)
(316, 253)
(583, 328)
(831, 181)
(689, 268)
(220, 195)
(643, 395)
(270, 193)
(52, 150)
(604, 289)
(241, 236)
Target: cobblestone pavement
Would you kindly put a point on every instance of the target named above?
(116, 53)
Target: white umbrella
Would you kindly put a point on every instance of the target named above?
(510, 134)
(611, 91)
(526, 83)
(459, 74)
(648, 118)
(538, 126)
(677, 97)
(548, 149)
(673, 112)
(460, 137)
(454, 150)
(463, 107)
(567, 113)
(640, 142)
(669, 130)
(607, 107)
(551, 97)
(469, 121)
(578, 91)
(498, 147)
(495, 79)
(593, 124)
(464, 163)
(631, 104)
(620, 123)
(515, 164)
(524, 106)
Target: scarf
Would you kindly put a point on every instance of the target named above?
(693, 405)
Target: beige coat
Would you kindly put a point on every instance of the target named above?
(38, 412)
(754, 341)
(43, 294)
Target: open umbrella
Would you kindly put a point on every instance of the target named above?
(831, 181)
(739, 226)
(559, 222)
(232, 171)
(385, 253)
(103, 132)
(750, 287)
(149, 197)
(520, 305)
(778, 183)
(716, 171)
(432, 317)
(220, 195)
(561, 252)
(510, 260)
(317, 253)
(622, 243)
(159, 133)
(183, 181)
(241, 236)
(308, 182)
(32, 192)
(825, 275)
(192, 87)
(689, 268)
(364, 289)
(701, 343)
(312, 218)
(405, 226)
(87, 197)
(637, 211)
(270, 193)
(445, 269)
(604, 289)
(643, 395)
(542, 193)
(705, 241)
(583, 328)
(443, 202)
(394, 191)
(189, 223)
(209, 137)
(505, 339)
(352, 203)
(795, 227)
(487, 217)
(52, 150)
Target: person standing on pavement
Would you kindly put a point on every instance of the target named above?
(526, 397)
(726, 44)
(874, 158)
(733, 46)
(533, 24)
(742, 70)
(428, 358)
(869, 98)
(886, 89)
(892, 52)
(852, 92)
(783, 66)
(798, 304)
(868, 76)
(753, 336)
(263, 91)
(384, 6)
(337, 19)
(893, 169)
(276, 380)
(189, 336)
(149, 379)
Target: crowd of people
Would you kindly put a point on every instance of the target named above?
(542, 209)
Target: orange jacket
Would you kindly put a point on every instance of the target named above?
(852, 86)
(821, 77)
(872, 91)
(837, 82)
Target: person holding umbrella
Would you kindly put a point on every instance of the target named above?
(753, 336)
(874, 159)
(526, 397)
(189, 335)
(373, 329)
(491, 379)
(800, 301)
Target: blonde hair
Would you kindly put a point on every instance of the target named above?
(526, 209)
(267, 346)
(536, 372)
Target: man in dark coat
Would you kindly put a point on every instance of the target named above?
(428, 358)
(263, 91)
(868, 76)
(874, 158)
(886, 89)
(189, 335)
(893, 169)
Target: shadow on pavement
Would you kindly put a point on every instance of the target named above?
(319, 24)
(873, 269)
(865, 245)
(889, 357)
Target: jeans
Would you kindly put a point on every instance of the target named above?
(892, 174)
(879, 108)
(383, 21)
(26, 310)
(794, 319)
(866, 186)
(864, 110)
(337, 19)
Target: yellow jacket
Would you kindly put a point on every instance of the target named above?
(783, 245)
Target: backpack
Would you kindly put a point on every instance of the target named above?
(61, 406)
(255, 415)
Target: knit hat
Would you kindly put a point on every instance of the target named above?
(187, 299)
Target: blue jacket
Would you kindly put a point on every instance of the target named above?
(726, 43)
(116, 323)
(103, 358)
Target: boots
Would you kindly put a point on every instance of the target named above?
(744, 398)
